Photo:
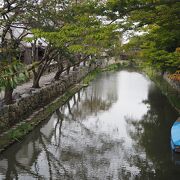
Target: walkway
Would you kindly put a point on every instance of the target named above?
(26, 87)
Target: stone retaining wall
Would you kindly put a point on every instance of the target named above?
(174, 84)
(25, 105)
(51, 68)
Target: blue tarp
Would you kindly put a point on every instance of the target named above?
(175, 133)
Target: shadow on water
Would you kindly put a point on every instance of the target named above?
(117, 128)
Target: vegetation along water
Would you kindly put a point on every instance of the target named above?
(63, 114)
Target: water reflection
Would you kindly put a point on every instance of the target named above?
(117, 128)
(151, 135)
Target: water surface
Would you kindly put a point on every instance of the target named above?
(117, 128)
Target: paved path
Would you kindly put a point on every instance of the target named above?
(25, 87)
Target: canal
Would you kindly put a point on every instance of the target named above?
(116, 128)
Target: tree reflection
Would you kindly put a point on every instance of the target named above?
(18, 165)
(72, 145)
(151, 136)
(44, 153)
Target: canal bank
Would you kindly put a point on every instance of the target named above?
(116, 128)
(22, 117)
(19, 118)
(165, 85)
(18, 131)
(65, 89)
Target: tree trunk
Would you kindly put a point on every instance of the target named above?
(90, 64)
(68, 69)
(39, 73)
(84, 63)
(36, 82)
(58, 73)
(37, 77)
(74, 68)
(8, 95)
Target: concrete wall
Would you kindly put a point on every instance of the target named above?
(25, 105)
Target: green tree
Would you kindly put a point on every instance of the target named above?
(160, 21)
(12, 14)
(71, 31)
(80, 34)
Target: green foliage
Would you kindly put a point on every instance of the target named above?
(12, 74)
(113, 67)
(84, 35)
(160, 22)
(70, 29)
(162, 60)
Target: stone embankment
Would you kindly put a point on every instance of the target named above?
(38, 98)
(174, 84)
(20, 89)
